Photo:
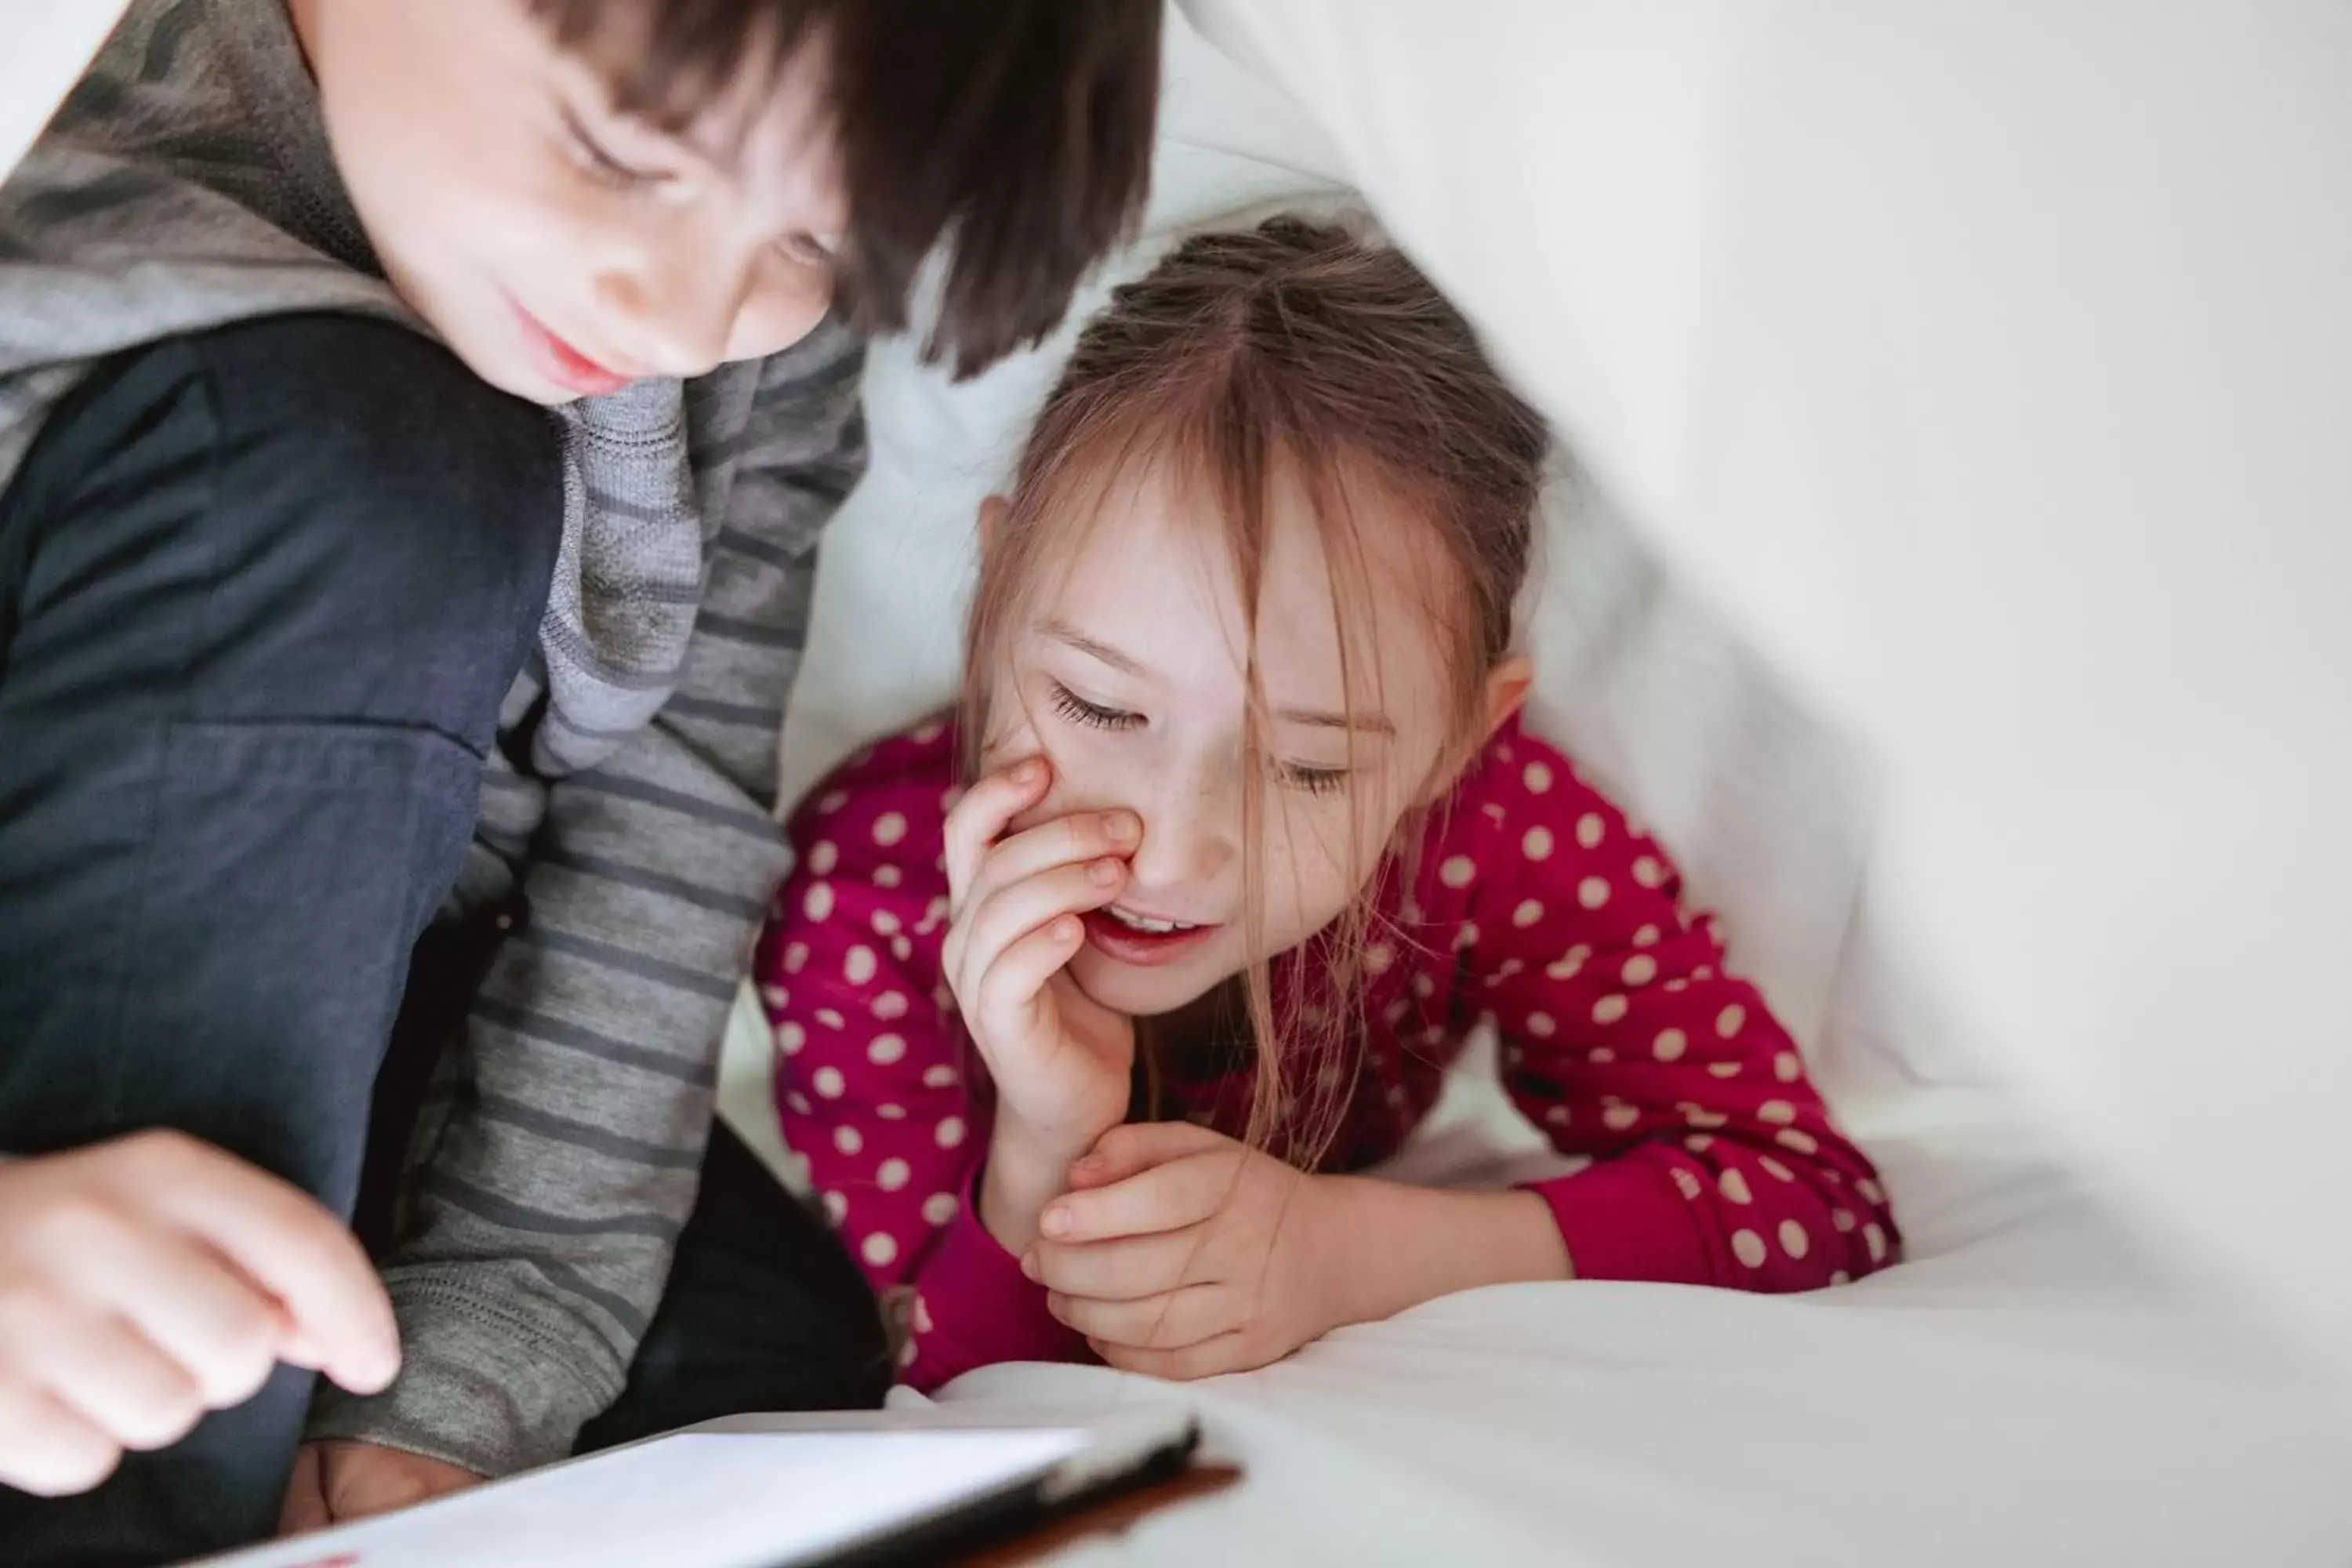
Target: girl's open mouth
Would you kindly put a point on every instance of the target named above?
(1143, 939)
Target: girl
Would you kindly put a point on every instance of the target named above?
(1078, 1055)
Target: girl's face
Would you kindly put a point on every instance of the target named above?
(560, 249)
(1127, 675)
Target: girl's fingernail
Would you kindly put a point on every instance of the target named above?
(1028, 772)
(1104, 872)
(1066, 930)
(1123, 827)
(1054, 1223)
(1029, 1264)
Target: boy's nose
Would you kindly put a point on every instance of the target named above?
(677, 310)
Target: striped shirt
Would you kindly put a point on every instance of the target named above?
(187, 184)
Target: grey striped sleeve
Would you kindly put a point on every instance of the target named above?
(558, 1160)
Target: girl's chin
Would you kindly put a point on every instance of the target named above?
(1139, 993)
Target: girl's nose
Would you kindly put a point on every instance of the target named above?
(1187, 843)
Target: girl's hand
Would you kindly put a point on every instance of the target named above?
(1061, 1062)
(1182, 1253)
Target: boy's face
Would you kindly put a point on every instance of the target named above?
(561, 249)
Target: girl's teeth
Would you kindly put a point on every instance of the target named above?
(1150, 927)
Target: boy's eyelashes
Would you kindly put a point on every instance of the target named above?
(1077, 709)
(600, 164)
(606, 168)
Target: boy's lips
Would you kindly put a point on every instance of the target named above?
(566, 365)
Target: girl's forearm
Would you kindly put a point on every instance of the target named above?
(1401, 1246)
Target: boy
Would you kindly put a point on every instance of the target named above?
(277, 627)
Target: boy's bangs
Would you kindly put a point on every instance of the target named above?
(664, 61)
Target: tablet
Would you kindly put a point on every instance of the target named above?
(769, 1491)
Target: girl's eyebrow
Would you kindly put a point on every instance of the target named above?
(1063, 632)
(1369, 723)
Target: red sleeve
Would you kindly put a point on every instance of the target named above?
(874, 1074)
(1711, 1158)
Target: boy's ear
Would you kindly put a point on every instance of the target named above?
(991, 516)
(1506, 689)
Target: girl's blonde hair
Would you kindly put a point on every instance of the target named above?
(1294, 352)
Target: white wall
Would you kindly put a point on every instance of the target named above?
(1993, 365)
(44, 44)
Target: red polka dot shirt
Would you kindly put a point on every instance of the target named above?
(1702, 1153)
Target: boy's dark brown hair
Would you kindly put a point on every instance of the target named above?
(1018, 132)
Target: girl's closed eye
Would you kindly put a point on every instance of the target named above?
(1094, 715)
(1312, 780)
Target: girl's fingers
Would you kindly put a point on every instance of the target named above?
(1211, 1358)
(1134, 1147)
(1168, 1321)
(983, 814)
(1004, 1001)
(1012, 914)
(1080, 836)
(1128, 1270)
(1166, 1197)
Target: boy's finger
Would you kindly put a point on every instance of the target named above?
(1134, 1147)
(195, 1306)
(1166, 1197)
(293, 1248)
(982, 814)
(48, 1450)
(114, 1377)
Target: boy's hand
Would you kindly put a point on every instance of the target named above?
(1184, 1254)
(1061, 1062)
(148, 1279)
(336, 1482)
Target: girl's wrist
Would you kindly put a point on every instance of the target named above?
(1023, 1173)
(1401, 1245)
